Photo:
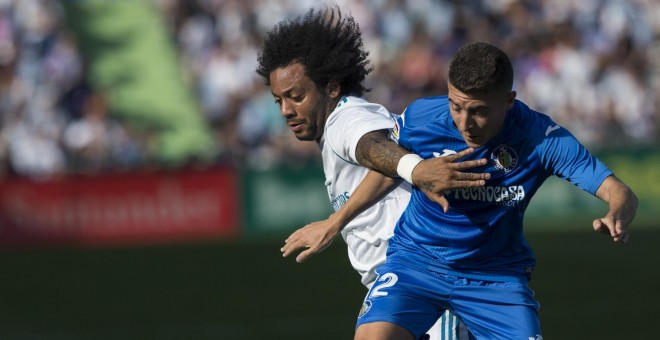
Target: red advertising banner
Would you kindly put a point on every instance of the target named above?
(121, 208)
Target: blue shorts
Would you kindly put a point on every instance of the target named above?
(414, 298)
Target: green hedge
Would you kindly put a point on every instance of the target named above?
(280, 201)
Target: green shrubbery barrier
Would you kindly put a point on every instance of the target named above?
(279, 201)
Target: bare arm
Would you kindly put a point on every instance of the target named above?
(433, 176)
(622, 203)
(377, 152)
(372, 189)
(317, 236)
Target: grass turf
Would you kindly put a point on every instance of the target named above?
(587, 287)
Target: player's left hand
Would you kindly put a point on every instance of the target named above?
(623, 205)
(612, 226)
(315, 236)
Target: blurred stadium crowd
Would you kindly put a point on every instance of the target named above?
(52, 121)
(592, 65)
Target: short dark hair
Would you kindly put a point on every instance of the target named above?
(480, 67)
(328, 44)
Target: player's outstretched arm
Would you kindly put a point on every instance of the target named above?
(317, 236)
(433, 176)
(622, 203)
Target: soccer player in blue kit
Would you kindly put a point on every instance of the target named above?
(472, 257)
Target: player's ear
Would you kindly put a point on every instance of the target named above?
(333, 89)
(511, 99)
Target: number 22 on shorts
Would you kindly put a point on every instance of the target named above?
(384, 281)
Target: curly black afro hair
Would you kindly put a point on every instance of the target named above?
(328, 44)
(480, 67)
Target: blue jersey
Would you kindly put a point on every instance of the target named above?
(481, 236)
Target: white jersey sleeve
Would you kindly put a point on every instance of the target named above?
(352, 119)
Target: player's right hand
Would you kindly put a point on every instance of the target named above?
(314, 238)
(436, 175)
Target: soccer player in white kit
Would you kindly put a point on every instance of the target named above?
(314, 66)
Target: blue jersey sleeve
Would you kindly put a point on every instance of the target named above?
(565, 157)
(399, 133)
(419, 122)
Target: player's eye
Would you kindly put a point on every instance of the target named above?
(478, 112)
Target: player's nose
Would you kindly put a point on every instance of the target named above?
(462, 122)
(286, 109)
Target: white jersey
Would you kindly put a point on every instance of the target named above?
(367, 234)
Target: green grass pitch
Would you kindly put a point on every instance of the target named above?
(588, 289)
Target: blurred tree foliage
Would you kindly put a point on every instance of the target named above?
(132, 60)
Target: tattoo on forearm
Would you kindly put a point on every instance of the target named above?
(384, 158)
(377, 152)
